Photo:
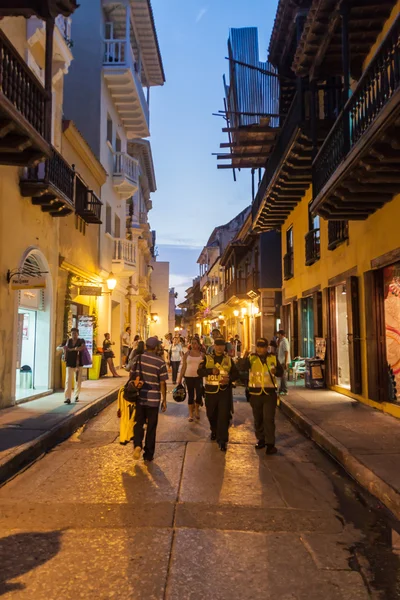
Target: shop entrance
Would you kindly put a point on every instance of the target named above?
(116, 331)
(307, 327)
(342, 331)
(33, 335)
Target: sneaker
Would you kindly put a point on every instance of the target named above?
(271, 449)
(260, 445)
(137, 452)
(67, 401)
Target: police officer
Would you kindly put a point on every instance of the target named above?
(263, 395)
(220, 371)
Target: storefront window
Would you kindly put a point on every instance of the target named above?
(343, 361)
(307, 327)
(391, 277)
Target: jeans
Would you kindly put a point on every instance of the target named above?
(143, 413)
(193, 385)
(175, 368)
(264, 407)
(283, 384)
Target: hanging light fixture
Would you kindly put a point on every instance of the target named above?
(111, 281)
(343, 290)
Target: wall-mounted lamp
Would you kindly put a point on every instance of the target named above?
(111, 282)
(244, 311)
(235, 313)
(154, 317)
(221, 317)
(343, 290)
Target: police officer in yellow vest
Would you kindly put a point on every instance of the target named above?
(263, 394)
(220, 371)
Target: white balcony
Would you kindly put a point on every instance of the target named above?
(121, 73)
(124, 257)
(217, 299)
(62, 55)
(125, 174)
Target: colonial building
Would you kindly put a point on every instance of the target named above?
(191, 306)
(331, 185)
(107, 96)
(37, 190)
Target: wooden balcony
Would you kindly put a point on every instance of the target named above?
(40, 8)
(288, 172)
(236, 289)
(312, 239)
(23, 123)
(252, 283)
(51, 185)
(288, 266)
(87, 204)
(338, 232)
(357, 169)
(125, 175)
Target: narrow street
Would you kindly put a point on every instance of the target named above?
(86, 521)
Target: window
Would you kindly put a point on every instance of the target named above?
(80, 224)
(313, 222)
(108, 218)
(118, 144)
(109, 31)
(109, 130)
(117, 226)
(289, 240)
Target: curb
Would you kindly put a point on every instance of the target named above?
(355, 468)
(27, 453)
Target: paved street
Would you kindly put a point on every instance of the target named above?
(86, 521)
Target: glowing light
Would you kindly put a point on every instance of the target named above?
(236, 313)
(244, 311)
(111, 282)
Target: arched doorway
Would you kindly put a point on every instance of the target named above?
(33, 331)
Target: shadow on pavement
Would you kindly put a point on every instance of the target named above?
(23, 552)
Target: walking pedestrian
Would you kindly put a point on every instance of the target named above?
(73, 363)
(238, 347)
(175, 357)
(261, 367)
(284, 359)
(126, 345)
(220, 372)
(152, 371)
(109, 354)
(190, 365)
(140, 348)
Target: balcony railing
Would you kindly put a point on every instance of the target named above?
(20, 87)
(312, 246)
(252, 282)
(338, 232)
(53, 176)
(87, 204)
(64, 25)
(377, 86)
(288, 270)
(217, 299)
(126, 166)
(124, 251)
(236, 288)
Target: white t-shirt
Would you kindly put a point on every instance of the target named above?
(192, 365)
(282, 348)
(176, 352)
(126, 339)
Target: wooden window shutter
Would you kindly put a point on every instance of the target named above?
(376, 336)
(353, 334)
(317, 305)
(331, 340)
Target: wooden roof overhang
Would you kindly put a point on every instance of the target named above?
(44, 9)
(319, 52)
(352, 183)
(249, 146)
(284, 32)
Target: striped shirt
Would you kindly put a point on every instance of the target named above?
(153, 371)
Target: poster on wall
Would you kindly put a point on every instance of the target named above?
(320, 347)
(20, 327)
(85, 326)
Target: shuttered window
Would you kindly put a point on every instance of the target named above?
(354, 335)
(376, 336)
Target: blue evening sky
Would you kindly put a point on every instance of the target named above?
(193, 196)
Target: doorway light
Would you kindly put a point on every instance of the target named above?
(111, 282)
(344, 290)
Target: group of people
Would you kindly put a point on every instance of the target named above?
(266, 371)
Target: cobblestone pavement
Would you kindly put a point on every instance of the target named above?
(87, 521)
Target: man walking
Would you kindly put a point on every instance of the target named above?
(284, 359)
(220, 371)
(73, 362)
(126, 345)
(152, 372)
(263, 397)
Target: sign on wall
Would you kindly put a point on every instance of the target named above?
(25, 282)
(85, 326)
(90, 290)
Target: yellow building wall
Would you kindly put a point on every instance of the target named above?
(368, 239)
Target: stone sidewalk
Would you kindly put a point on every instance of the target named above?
(365, 441)
(30, 429)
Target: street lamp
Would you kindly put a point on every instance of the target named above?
(111, 281)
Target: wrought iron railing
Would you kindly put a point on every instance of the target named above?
(312, 239)
(124, 251)
(20, 86)
(338, 232)
(288, 261)
(87, 204)
(377, 86)
(54, 171)
(126, 165)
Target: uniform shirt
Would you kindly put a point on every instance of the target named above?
(269, 359)
(203, 371)
(153, 370)
(282, 348)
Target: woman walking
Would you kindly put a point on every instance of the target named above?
(190, 365)
(175, 357)
(109, 354)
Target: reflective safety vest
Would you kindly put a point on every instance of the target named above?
(213, 382)
(260, 375)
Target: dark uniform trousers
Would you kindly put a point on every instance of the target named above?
(143, 414)
(219, 412)
(264, 407)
